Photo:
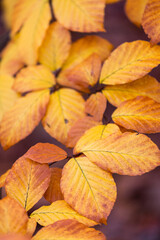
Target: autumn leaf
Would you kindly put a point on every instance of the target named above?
(3, 178)
(36, 25)
(111, 1)
(79, 128)
(130, 61)
(68, 230)
(96, 133)
(53, 192)
(151, 20)
(65, 107)
(31, 227)
(117, 94)
(127, 153)
(141, 114)
(59, 210)
(88, 189)
(55, 46)
(11, 61)
(8, 7)
(27, 182)
(7, 96)
(134, 10)
(13, 217)
(96, 106)
(14, 236)
(20, 120)
(80, 15)
(34, 78)
(21, 12)
(45, 153)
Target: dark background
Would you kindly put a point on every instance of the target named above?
(136, 214)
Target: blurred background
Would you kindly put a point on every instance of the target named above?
(136, 214)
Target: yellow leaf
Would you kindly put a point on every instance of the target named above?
(96, 133)
(21, 11)
(33, 32)
(90, 190)
(7, 96)
(53, 192)
(66, 106)
(3, 178)
(27, 182)
(11, 61)
(8, 6)
(129, 62)
(141, 114)
(112, 1)
(33, 78)
(127, 153)
(151, 20)
(146, 86)
(82, 75)
(134, 10)
(96, 106)
(59, 210)
(80, 15)
(45, 153)
(68, 230)
(78, 129)
(55, 46)
(13, 217)
(20, 120)
(86, 46)
(14, 236)
(31, 226)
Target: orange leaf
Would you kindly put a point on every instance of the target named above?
(11, 61)
(80, 16)
(117, 94)
(134, 10)
(45, 153)
(129, 62)
(55, 46)
(127, 153)
(27, 182)
(13, 217)
(90, 190)
(7, 96)
(82, 75)
(141, 114)
(66, 106)
(68, 230)
(21, 11)
(59, 210)
(14, 236)
(78, 129)
(151, 20)
(96, 106)
(112, 1)
(3, 178)
(96, 133)
(31, 227)
(53, 192)
(33, 32)
(19, 121)
(33, 78)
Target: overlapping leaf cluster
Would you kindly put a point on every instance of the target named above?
(71, 104)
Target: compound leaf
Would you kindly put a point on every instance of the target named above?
(88, 189)
(130, 61)
(20, 120)
(27, 181)
(141, 114)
